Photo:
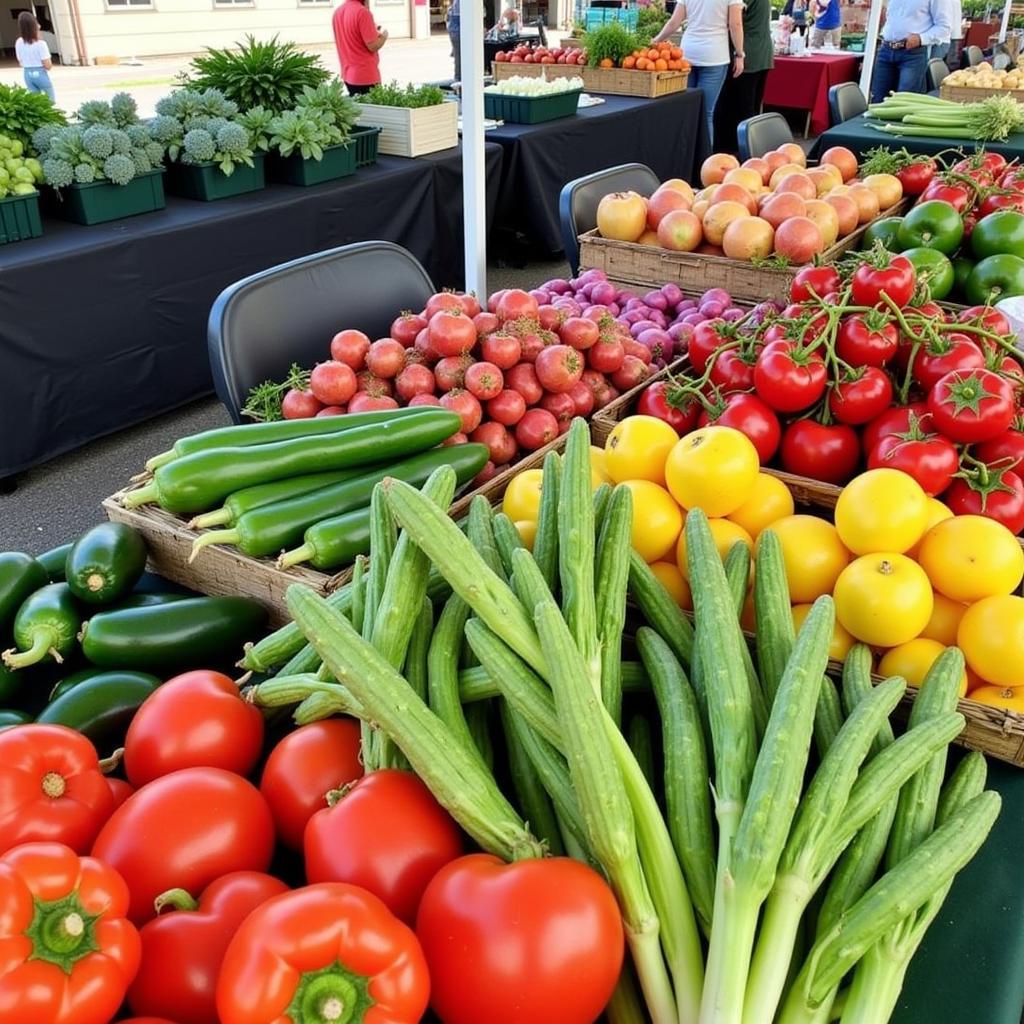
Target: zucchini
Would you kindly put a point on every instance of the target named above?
(86, 675)
(105, 563)
(163, 639)
(54, 560)
(11, 716)
(20, 575)
(101, 707)
(45, 626)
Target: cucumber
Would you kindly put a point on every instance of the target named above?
(20, 575)
(10, 716)
(194, 633)
(85, 675)
(105, 563)
(54, 560)
(45, 626)
(102, 707)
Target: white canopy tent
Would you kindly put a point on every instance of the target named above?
(474, 168)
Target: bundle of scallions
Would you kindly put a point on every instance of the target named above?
(910, 113)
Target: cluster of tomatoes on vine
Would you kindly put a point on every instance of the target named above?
(852, 373)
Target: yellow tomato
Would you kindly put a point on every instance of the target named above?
(814, 556)
(937, 512)
(674, 582)
(991, 635)
(881, 510)
(522, 496)
(841, 641)
(945, 620)
(883, 599)
(714, 469)
(527, 531)
(971, 557)
(724, 533)
(769, 502)
(637, 449)
(999, 697)
(598, 469)
(913, 660)
(657, 520)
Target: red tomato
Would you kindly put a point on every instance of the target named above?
(425, 400)
(856, 401)
(536, 429)
(406, 327)
(386, 358)
(733, 370)
(1007, 448)
(997, 494)
(957, 196)
(916, 177)
(470, 305)
(953, 352)
(364, 402)
(516, 303)
(819, 280)
(1001, 201)
(607, 355)
(333, 951)
(706, 340)
(183, 831)
(148, 1020)
(504, 350)
(388, 835)
(749, 415)
(451, 332)
(789, 378)
(830, 453)
(468, 408)
(501, 444)
(930, 459)
(896, 420)
(507, 408)
(559, 368)
(196, 720)
(299, 405)
(119, 789)
(505, 920)
(304, 767)
(579, 332)
(867, 340)
(350, 348)
(446, 301)
(414, 380)
(986, 316)
(523, 378)
(332, 383)
(582, 398)
(484, 381)
(972, 406)
(51, 788)
(561, 406)
(183, 948)
(678, 409)
(896, 278)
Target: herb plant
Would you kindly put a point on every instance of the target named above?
(394, 95)
(23, 112)
(611, 41)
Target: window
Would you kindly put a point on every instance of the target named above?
(124, 5)
(233, 3)
(314, 3)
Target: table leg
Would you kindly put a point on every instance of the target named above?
(807, 125)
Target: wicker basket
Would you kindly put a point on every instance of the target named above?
(965, 94)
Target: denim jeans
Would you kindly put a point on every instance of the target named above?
(940, 51)
(38, 80)
(709, 80)
(898, 71)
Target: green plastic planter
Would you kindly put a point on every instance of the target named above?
(366, 138)
(530, 109)
(337, 162)
(207, 182)
(102, 201)
(19, 218)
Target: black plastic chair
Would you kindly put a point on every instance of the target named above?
(845, 101)
(974, 55)
(761, 134)
(288, 314)
(577, 204)
(937, 71)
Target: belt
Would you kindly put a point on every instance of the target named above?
(897, 44)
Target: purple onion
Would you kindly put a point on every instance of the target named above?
(659, 318)
(625, 297)
(542, 295)
(634, 302)
(717, 295)
(694, 318)
(733, 313)
(673, 293)
(642, 325)
(681, 334)
(686, 305)
(593, 276)
(614, 308)
(603, 293)
(557, 286)
(712, 308)
(656, 300)
(660, 343)
(584, 292)
(571, 306)
(631, 316)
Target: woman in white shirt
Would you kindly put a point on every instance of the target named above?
(710, 24)
(33, 55)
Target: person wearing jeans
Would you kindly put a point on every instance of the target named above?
(710, 24)
(33, 55)
(741, 97)
(911, 28)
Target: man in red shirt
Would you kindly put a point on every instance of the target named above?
(358, 39)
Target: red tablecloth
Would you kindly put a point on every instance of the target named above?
(803, 83)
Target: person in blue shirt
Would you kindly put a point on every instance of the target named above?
(911, 28)
(453, 21)
(828, 24)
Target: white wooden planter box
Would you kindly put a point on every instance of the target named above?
(409, 131)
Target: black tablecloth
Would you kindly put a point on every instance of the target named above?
(668, 134)
(858, 135)
(104, 327)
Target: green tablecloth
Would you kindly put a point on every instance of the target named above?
(858, 135)
(970, 968)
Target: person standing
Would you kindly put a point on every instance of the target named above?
(950, 52)
(358, 40)
(797, 10)
(911, 28)
(828, 24)
(741, 96)
(452, 21)
(710, 24)
(33, 55)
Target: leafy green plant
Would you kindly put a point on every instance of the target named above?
(257, 122)
(264, 401)
(611, 41)
(330, 101)
(394, 95)
(23, 112)
(200, 127)
(271, 75)
(650, 21)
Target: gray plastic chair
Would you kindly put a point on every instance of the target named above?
(974, 55)
(937, 71)
(1001, 61)
(845, 101)
(577, 203)
(288, 314)
(761, 134)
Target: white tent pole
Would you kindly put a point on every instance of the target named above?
(474, 167)
(1006, 21)
(870, 47)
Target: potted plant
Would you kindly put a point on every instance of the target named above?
(413, 120)
(105, 165)
(210, 150)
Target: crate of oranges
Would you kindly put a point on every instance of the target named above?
(664, 71)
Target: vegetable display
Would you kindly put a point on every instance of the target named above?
(524, 86)
(908, 113)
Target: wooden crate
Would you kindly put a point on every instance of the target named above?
(652, 266)
(502, 70)
(218, 569)
(409, 131)
(965, 94)
(609, 81)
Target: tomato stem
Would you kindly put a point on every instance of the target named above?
(175, 899)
